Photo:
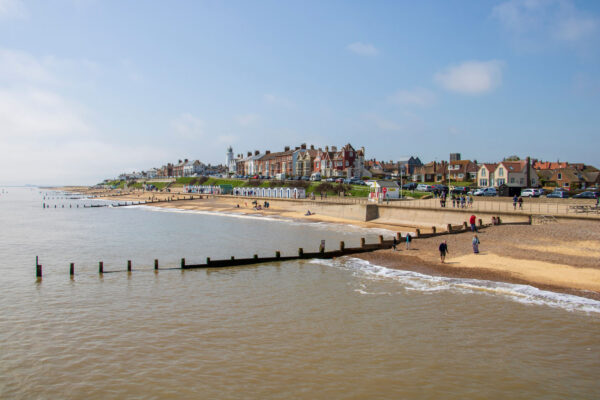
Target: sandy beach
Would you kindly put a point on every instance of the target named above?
(563, 256)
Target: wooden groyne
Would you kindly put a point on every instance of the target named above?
(342, 251)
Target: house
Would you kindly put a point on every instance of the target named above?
(192, 168)
(178, 169)
(461, 170)
(513, 174)
(569, 178)
(304, 160)
(407, 165)
(430, 172)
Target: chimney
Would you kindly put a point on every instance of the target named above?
(179, 162)
(256, 152)
(268, 152)
(303, 146)
(249, 153)
(333, 148)
(186, 160)
(326, 148)
(297, 148)
(320, 149)
(528, 172)
(312, 146)
(286, 148)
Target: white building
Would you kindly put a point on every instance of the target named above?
(383, 190)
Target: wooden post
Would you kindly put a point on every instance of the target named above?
(100, 267)
(417, 232)
(72, 269)
(207, 260)
(380, 239)
(300, 252)
(183, 263)
(277, 254)
(362, 242)
(256, 256)
(232, 258)
(156, 264)
(465, 226)
(38, 270)
(449, 227)
(342, 245)
(399, 236)
(433, 229)
(129, 265)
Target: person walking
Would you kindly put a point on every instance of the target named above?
(408, 240)
(462, 201)
(476, 244)
(515, 199)
(394, 244)
(443, 250)
(472, 221)
(453, 201)
(520, 201)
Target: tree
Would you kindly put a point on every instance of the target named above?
(512, 158)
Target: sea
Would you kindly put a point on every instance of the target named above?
(312, 329)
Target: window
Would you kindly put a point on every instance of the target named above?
(501, 172)
(559, 176)
(522, 181)
(347, 163)
(501, 181)
(512, 180)
(460, 176)
(483, 172)
(483, 182)
(566, 184)
(351, 154)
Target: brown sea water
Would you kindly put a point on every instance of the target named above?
(303, 330)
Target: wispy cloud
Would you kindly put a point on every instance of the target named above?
(12, 9)
(363, 49)
(247, 119)
(541, 19)
(471, 77)
(188, 126)
(382, 123)
(417, 96)
(277, 100)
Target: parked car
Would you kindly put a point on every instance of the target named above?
(410, 186)
(530, 193)
(304, 178)
(422, 187)
(460, 190)
(490, 191)
(586, 195)
(440, 188)
(315, 177)
(558, 194)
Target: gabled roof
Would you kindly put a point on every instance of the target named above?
(490, 167)
(514, 166)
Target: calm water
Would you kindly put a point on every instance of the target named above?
(302, 330)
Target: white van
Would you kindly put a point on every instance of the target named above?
(280, 177)
(316, 176)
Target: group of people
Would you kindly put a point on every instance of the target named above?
(443, 247)
(460, 201)
(519, 200)
(408, 240)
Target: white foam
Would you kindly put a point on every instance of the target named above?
(416, 281)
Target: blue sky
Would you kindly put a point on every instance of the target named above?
(91, 88)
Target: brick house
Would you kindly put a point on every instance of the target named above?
(430, 172)
(461, 170)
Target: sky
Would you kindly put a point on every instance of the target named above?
(93, 88)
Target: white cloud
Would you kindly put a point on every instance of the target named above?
(278, 100)
(188, 126)
(247, 119)
(383, 124)
(363, 49)
(418, 96)
(540, 19)
(471, 77)
(12, 9)
(20, 66)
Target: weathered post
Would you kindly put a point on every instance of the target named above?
(433, 229)
(300, 252)
(72, 269)
(207, 260)
(183, 263)
(100, 267)
(380, 239)
(342, 245)
(38, 270)
(362, 242)
(277, 254)
(256, 256)
(417, 232)
(449, 227)
(128, 265)
(156, 264)
(232, 258)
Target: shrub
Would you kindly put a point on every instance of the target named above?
(274, 183)
(253, 182)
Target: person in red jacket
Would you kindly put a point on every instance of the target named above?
(472, 222)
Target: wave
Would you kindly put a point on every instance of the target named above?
(315, 224)
(416, 281)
